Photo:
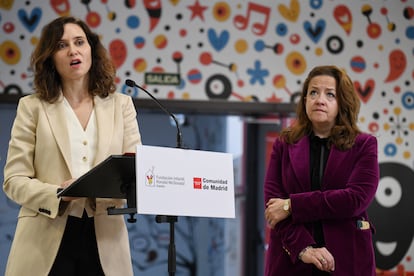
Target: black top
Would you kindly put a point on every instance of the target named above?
(319, 152)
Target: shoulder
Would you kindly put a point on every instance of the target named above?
(365, 140)
(280, 142)
(31, 99)
(365, 137)
(120, 97)
(30, 104)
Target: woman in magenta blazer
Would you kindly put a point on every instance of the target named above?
(322, 176)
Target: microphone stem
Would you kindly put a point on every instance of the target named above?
(179, 135)
(179, 138)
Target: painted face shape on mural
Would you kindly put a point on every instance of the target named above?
(393, 201)
(321, 104)
(73, 58)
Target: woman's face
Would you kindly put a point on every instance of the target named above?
(321, 104)
(73, 58)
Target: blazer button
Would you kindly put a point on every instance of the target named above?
(42, 210)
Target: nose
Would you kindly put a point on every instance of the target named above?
(320, 98)
(71, 50)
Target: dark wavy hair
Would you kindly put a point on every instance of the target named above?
(345, 130)
(47, 81)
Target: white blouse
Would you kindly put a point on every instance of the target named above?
(83, 149)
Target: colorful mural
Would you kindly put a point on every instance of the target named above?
(255, 51)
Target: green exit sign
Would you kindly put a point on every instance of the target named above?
(162, 78)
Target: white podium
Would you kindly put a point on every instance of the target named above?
(183, 182)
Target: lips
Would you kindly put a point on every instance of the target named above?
(75, 62)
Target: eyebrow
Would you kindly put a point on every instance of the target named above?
(317, 87)
(74, 38)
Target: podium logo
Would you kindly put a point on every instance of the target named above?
(149, 177)
(197, 182)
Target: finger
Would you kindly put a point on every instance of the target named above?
(271, 224)
(326, 259)
(270, 201)
(330, 261)
(331, 265)
(322, 260)
(327, 265)
(322, 263)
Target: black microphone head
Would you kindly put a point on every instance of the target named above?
(130, 83)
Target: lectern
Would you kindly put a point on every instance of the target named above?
(170, 182)
(112, 178)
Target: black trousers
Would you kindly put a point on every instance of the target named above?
(78, 253)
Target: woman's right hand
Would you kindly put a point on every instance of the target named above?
(274, 212)
(66, 184)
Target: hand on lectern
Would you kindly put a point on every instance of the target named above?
(66, 184)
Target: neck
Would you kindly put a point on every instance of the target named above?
(322, 132)
(76, 92)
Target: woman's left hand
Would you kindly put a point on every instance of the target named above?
(274, 212)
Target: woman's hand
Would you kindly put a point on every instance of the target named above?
(275, 212)
(320, 257)
(66, 184)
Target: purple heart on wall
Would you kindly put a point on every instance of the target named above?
(31, 21)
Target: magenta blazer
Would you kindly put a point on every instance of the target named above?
(348, 187)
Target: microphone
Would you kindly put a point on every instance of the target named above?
(132, 83)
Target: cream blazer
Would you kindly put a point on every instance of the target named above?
(38, 161)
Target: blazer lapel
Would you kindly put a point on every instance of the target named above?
(299, 156)
(57, 120)
(335, 164)
(104, 112)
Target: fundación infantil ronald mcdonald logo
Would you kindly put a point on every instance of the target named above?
(162, 181)
(149, 177)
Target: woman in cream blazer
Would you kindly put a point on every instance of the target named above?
(39, 160)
